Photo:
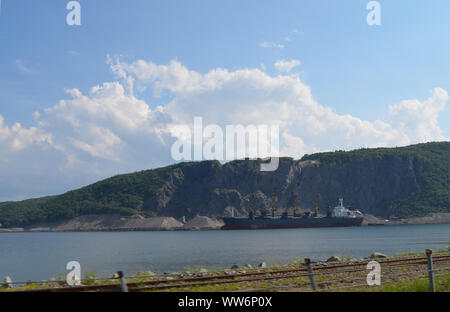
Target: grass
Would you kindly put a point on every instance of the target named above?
(442, 284)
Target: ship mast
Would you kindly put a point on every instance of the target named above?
(252, 209)
(295, 208)
(273, 208)
(293, 203)
(316, 207)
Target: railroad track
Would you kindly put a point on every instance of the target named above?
(252, 276)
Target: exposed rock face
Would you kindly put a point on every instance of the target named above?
(214, 190)
(386, 183)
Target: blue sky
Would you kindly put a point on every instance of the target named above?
(350, 67)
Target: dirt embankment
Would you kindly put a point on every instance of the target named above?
(139, 223)
(118, 223)
(433, 218)
(203, 223)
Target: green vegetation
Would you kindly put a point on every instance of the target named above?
(442, 284)
(122, 194)
(126, 194)
(432, 168)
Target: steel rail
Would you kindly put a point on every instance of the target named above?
(317, 270)
(220, 282)
(297, 285)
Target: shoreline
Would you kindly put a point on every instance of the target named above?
(101, 223)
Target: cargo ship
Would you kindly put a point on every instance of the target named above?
(339, 216)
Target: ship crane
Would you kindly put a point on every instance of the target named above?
(292, 202)
(273, 208)
(252, 209)
(295, 209)
(316, 207)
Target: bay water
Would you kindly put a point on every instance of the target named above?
(41, 256)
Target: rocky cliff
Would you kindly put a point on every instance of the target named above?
(209, 188)
(406, 182)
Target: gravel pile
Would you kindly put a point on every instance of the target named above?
(203, 223)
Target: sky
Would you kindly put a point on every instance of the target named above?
(82, 103)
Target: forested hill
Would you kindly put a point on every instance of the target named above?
(405, 182)
(430, 163)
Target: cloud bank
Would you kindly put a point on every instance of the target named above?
(283, 66)
(111, 130)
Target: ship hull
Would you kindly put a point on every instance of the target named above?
(278, 223)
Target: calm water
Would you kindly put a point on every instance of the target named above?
(36, 256)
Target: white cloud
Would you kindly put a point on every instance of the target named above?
(23, 67)
(109, 130)
(74, 53)
(295, 145)
(250, 96)
(419, 120)
(17, 138)
(266, 44)
(284, 66)
(293, 33)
